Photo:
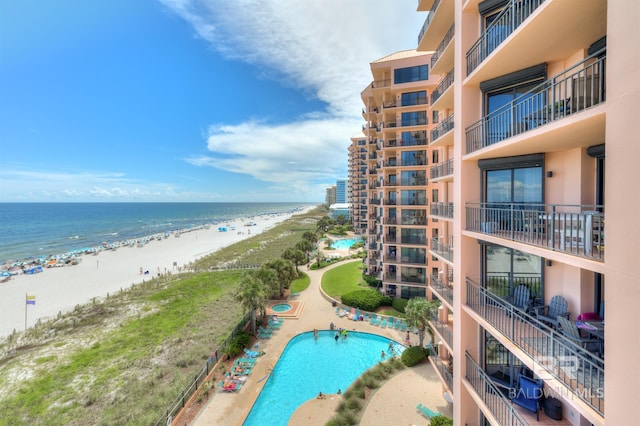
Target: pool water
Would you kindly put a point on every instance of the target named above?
(343, 244)
(281, 307)
(308, 366)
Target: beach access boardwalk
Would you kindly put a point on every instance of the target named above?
(393, 403)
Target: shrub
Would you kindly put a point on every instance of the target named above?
(371, 280)
(441, 421)
(365, 299)
(399, 304)
(414, 355)
(387, 301)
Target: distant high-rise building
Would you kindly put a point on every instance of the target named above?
(341, 191)
(330, 197)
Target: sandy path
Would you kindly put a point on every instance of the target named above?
(61, 289)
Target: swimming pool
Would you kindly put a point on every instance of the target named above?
(344, 244)
(308, 366)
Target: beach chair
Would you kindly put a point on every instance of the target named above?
(383, 324)
(367, 316)
(425, 411)
(251, 354)
(355, 315)
(338, 309)
(390, 322)
(397, 324)
(372, 319)
(403, 326)
(245, 361)
(375, 320)
(344, 313)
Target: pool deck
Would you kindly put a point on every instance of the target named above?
(394, 403)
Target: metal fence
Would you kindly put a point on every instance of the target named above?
(199, 377)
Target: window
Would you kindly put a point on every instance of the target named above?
(505, 269)
(415, 118)
(414, 98)
(434, 195)
(413, 178)
(434, 117)
(409, 74)
(434, 156)
(413, 158)
(414, 198)
(414, 138)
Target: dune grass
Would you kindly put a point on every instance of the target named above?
(343, 279)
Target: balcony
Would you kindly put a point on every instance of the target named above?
(547, 351)
(418, 241)
(442, 210)
(378, 84)
(413, 260)
(441, 170)
(500, 407)
(390, 220)
(443, 290)
(390, 239)
(444, 368)
(442, 46)
(427, 20)
(413, 182)
(570, 92)
(441, 129)
(443, 247)
(446, 82)
(410, 220)
(390, 201)
(442, 329)
(375, 201)
(413, 202)
(577, 230)
(514, 14)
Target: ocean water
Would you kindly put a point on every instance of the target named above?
(43, 229)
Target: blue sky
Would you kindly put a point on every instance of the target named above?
(186, 100)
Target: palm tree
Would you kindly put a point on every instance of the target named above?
(251, 295)
(305, 246)
(286, 272)
(269, 280)
(419, 311)
(310, 236)
(298, 257)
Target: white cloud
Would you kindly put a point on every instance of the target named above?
(322, 47)
(18, 185)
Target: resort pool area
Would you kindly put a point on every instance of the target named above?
(308, 366)
(281, 307)
(344, 244)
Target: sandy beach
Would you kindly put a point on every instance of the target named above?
(61, 289)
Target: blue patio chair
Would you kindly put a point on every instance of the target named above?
(403, 326)
(529, 394)
(425, 411)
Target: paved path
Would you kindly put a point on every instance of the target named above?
(393, 404)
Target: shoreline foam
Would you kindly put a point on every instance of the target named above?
(61, 289)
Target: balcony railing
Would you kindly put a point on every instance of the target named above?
(413, 202)
(413, 260)
(442, 288)
(389, 104)
(514, 14)
(442, 46)
(500, 407)
(442, 210)
(573, 229)
(374, 201)
(413, 220)
(414, 240)
(443, 247)
(390, 201)
(580, 371)
(444, 127)
(390, 220)
(427, 20)
(442, 329)
(390, 238)
(443, 369)
(442, 169)
(574, 90)
(381, 83)
(446, 82)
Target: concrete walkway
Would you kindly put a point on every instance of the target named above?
(394, 403)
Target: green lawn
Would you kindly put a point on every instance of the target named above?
(343, 279)
(300, 283)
